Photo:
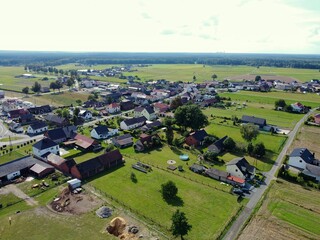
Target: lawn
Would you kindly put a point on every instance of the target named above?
(207, 209)
(15, 154)
(9, 199)
(289, 211)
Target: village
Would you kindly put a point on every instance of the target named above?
(119, 122)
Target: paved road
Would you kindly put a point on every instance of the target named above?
(106, 117)
(256, 196)
(11, 188)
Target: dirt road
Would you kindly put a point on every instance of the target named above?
(11, 188)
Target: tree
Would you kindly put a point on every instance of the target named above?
(70, 82)
(65, 113)
(176, 103)
(36, 87)
(180, 225)
(190, 116)
(53, 86)
(59, 85)
(194, 78)
(250, 148)
(25, 90)
(257, 78)
(259, 150)
(76, 111)
(79, 102)
(229, 144)
(210, 156)
(169, 135)
(169, 190)
(91, 97)
(249, 132)
(214, 76)
(280, 103)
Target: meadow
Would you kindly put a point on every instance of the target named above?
(207, 209)
(288, 211)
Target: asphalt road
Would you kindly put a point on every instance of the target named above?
(256, 196)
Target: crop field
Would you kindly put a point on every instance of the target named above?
(207, 209)
(288, 211)
(308, 99)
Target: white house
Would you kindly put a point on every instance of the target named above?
(16, 127)
(103, 132)
(148, 112)
(297, 107)
(37, 128)
(113, 108)
(132, 123)
(300, 157)
(240, 167)
(44, 146)
(85, 115)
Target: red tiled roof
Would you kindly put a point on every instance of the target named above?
(236, 179)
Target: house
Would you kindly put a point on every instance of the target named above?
(132, 123)
(40, 110)
(44, 146)
(126, 105)
(26, 119)
(161, 108)
(300, 157)
(297, 107)
(59, 135)
(317, 118)
(198, 168)
(113, 108)
(148, 112)
(103, 132)
(85, 143)
(21, 167)
(233, 180)
(123, 141)
(218, 146)
(239, 167)
(151, 126)
(145, 141)
(44, 89)
(16, 127)
(17, 113)
(37, 128)
(312, 171)
(85, 115)
(261, 122)
(96, 165)
(196, 138)
(54, 119)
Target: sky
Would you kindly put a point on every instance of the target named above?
(231, 26)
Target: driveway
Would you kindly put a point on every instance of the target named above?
(11, 188)
(238, 224)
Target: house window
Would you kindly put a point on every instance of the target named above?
(300, 161)
(236, 170)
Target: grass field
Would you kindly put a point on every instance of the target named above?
(15, 154)
(207, 209)
(288, 212)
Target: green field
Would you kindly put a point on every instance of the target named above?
(289, 211)
(208, 209)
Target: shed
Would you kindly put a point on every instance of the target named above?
(41, 169)
(74, 183)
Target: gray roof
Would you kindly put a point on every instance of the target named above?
(17, 165)
(44, 144)
(304, 153)
(101, 129)
(254, 120)
(133, 121)
(217, 146)
(38, 125)
(312, 170)
(149, 109)
(212, 172)
(242, 164)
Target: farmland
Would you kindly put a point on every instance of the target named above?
(288, 212)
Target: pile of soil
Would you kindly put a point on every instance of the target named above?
(68, 202)
(118, 227)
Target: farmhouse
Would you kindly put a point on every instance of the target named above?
(44, 146)
(113, 108)
(132, 123)
(239, 167)
(123, 141)
(261, 122)
(297, 107)
(21, 167)
(37, 128)
(96, 165)
(196, 138)
(59, 135)
(103, 132)
(17, 113)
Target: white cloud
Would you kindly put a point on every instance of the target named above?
(167, 25)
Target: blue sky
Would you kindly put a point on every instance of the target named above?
(263, 26)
